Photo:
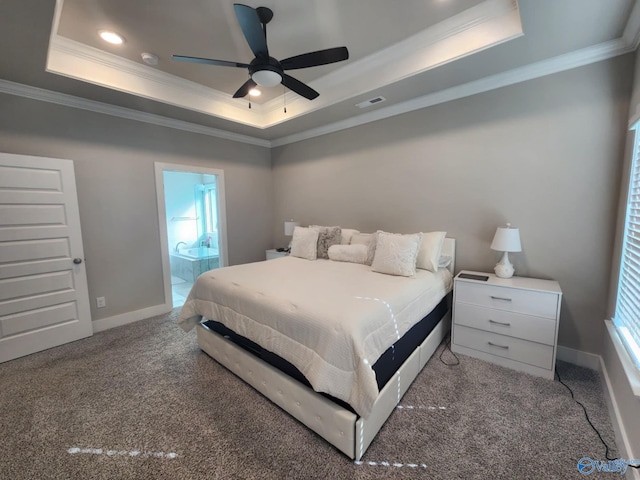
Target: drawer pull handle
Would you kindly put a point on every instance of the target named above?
(501, 298)
(500, 323)
(506, 347)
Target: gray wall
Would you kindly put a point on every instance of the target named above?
(114, 165)
(544, 155)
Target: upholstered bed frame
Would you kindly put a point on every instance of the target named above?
(342, 428)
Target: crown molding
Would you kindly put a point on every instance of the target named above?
(550, 66)
(73, 59)
(557, 64)
(35, 93)
(492, 21)
(629, 42)
(123, 65)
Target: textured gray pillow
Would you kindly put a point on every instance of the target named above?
(328, 236)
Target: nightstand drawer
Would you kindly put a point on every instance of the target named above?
(529, 302)
(502, 346)
(536, 329)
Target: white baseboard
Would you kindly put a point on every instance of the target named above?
(578, 357)
(129, 317)
(622, 440)
(595, 362)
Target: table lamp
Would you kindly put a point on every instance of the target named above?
(506, 239)
(289, 227)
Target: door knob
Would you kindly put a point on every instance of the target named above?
(77, 261)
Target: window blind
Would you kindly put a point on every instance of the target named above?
(627, 314)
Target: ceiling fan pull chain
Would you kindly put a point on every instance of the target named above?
(284, 97)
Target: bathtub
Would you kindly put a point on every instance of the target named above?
(198, 253)
(189, 263)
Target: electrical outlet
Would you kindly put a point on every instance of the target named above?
(101, 302)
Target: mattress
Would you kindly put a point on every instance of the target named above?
(384, 368)
(331, 320)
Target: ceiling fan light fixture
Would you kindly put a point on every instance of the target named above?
(111, 37)
(254, 92)
(266, 78)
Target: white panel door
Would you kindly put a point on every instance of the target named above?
(44, 301)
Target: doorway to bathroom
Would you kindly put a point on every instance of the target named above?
(192, 225)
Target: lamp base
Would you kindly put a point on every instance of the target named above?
(503, 268)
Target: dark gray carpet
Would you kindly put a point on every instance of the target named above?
(142, 401)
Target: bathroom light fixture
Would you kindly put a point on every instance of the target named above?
(111, 37)
(506, 240)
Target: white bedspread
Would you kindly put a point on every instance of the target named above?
(332, 320)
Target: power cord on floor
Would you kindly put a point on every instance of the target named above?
(446, 347)
(606, 454)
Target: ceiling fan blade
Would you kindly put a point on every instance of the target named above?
(244, 89)
(210, 61)
(313, 59)
(249, 21)
(299, 87)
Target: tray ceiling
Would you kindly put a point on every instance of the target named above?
(426, 52)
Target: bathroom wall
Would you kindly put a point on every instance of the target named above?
(180, 204)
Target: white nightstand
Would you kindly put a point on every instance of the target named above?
(509, 321)
(273, 253)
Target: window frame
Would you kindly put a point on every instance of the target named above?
(626, 316)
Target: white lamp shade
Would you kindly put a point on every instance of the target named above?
(289, 227)
(506, 239)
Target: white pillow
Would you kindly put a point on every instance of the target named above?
(304, 243)
(444, 261)
(368, 239)
(372, 248)
(360, 239)
(396, 254)
(347, 233)
(348, 253)
(430, 248)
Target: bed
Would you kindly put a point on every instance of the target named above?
(332, 343)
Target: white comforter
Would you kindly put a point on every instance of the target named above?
(332, 320)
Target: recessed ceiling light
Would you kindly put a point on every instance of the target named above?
(111, 37)
(254, 92)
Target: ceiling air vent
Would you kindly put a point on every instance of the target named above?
(371, 101)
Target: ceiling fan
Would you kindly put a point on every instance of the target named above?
(265, 70)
